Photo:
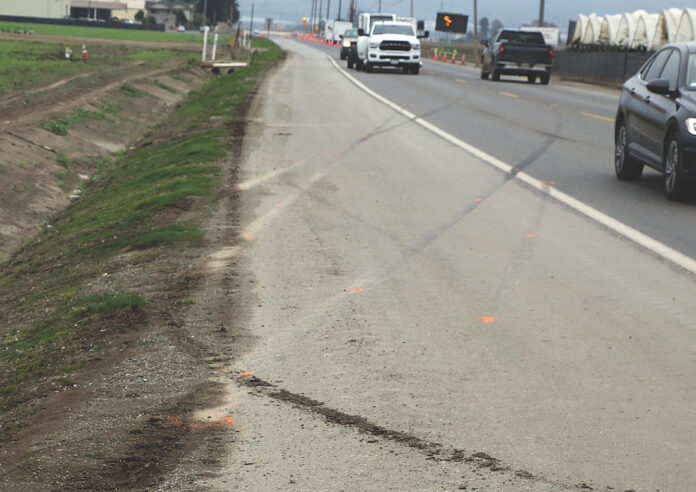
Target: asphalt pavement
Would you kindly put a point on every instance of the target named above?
(425, 321)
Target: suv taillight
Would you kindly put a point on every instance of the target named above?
(501, 50)
(551, 54)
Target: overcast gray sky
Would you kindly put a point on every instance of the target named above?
(511, 13)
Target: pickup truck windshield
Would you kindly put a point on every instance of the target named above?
(393, 29)
(526, 37)
(351, 33)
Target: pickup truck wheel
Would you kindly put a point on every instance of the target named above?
(531, 78)
(350, 63)
(495, 75)
(406, 69)
(343, 56)
(415, 69)
(358, 65)
(545, 79)
(368, 67)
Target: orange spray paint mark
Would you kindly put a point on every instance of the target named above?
(177, 421)
(248, 373)
(249, 237)
(487, 319)
(357, 289)
(226, 421)
(531, 235)
(280, 205)
(479, 200)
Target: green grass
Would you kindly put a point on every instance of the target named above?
(109, 33)
(76, 118)
(45, 289)
(161, 85)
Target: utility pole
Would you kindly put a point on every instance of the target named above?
(321, 13)
(251, 23)
(328, 9)
(205, 11)
(476, 57)
(380, 6)
(541, 13)
(339, 9)
(411, 8)
(312, 17)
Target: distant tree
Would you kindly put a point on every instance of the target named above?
(139, 15)
(484, 27)
(496, 26)
(221, 10)
(181, 19)
(535, 23)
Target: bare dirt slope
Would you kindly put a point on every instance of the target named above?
(126, 418)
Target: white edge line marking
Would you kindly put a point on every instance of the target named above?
(615, 225)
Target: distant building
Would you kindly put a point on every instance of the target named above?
(94, 9)
(165, 12)
(52, 9)
(132, 8)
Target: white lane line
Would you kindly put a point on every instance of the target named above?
(615, 225)
(256, 181)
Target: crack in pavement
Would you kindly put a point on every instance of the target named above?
(432, 450)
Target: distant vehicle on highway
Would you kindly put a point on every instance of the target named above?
(517, 52)
(348, 41)
(334, 30)
(392, 44)
(656, 120)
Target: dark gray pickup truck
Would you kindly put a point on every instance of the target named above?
(518, 53)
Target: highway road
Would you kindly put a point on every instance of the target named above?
(560, 133)
(424, 321)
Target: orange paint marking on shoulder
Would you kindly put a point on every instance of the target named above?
(249, 237)
(247, 373)
(487, 319)
(357, 289)
(531, 235)
(479, 200)
(176, 420)
(226, 421)
(280, 205)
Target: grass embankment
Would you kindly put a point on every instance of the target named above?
(26, 63)
(135, 209)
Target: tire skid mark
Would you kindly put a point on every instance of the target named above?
(432, 450)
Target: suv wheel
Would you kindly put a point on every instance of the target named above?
(675, 181)
(415, 69)
(626, 167)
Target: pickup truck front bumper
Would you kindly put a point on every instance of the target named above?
(513, 68)
(394, 58)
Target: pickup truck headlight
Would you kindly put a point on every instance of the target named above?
(374, 45)
(691, 125)
(415, 46)
(346, 44)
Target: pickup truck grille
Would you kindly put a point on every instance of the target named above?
(395, 46)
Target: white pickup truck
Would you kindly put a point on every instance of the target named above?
(392, 44)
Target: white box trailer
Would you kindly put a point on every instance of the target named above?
(335, 29)
(366, 20)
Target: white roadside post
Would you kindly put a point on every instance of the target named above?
(205, 42)
(215, 40)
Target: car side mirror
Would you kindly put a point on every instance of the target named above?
(425, 35)
(660, 86)
(361, 32)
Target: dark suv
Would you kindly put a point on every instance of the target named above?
(656, 120)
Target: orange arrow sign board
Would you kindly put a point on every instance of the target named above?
(448, 20)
